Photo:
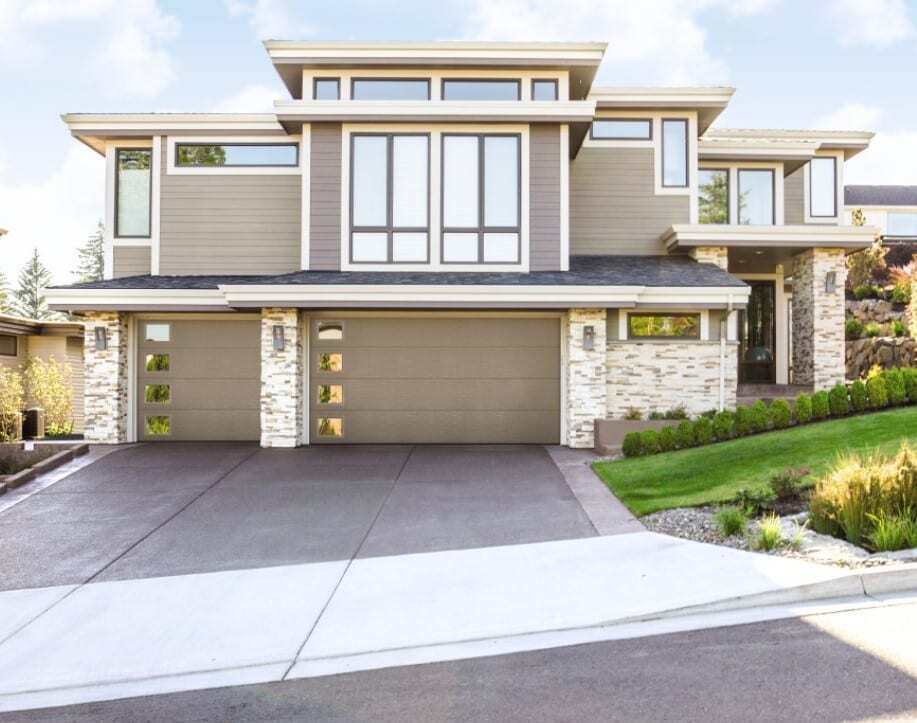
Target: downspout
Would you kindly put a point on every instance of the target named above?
(724, 330)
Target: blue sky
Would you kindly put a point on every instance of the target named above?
(795, 64)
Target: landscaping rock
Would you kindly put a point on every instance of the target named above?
(886, 351)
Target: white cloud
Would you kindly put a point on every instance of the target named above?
(850, 117)
(877, 23)
(54, 214)
(251, 99)
(272, 19)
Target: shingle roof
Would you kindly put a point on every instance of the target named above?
(584, 271)
(880, 195)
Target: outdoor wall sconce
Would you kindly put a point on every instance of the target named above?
(101, 334)
(278, 338)
(830, 282)
(588, 338)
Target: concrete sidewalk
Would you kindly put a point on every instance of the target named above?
(122, 638)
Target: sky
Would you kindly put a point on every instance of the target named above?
(830, 64)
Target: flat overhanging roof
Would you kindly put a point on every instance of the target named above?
(709, 102)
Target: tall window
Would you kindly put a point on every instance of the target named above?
(675, 153)
(133, 183)
(713, 195)
(756, 197)
(823, 187)
(481, 199)
(389, 197)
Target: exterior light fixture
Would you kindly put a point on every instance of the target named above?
(101, 335)
(588, 338)
(279, 342)
(830, 282)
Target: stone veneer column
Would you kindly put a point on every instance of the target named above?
(105, 376)
(818, 318)
(586, 376)
(281, 380)
(717, 255)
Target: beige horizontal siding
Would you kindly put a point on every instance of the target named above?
(131, 261)
(75, 358)
(613, 205)
(325, 197)
(544, 197)
(794, 197)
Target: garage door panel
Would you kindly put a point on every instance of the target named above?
(207, 334)
(450, 395)
(448, 332)
(204, 394)
(222, 363)
(211, 426)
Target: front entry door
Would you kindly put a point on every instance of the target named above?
(758, 335)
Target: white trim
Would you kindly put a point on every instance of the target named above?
(132, 331)
(624, 331)
(733, 167)
(733, 150)
(792, 236)
(564, 375)
(837, 218)
(564, 197)
(781, 328)
(122, 298)
(305, 331)
(305, 163)
(155, 214)
(108, 237)
(174, 170)
(109, 240)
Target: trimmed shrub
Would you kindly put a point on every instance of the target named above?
(47, 384)
(787, 485)
(667, 441)
(655, 416)
(820, 407)
(898, 328)
(859, 399)
(900, 294)
(910, 384)
(632, 446)
(759, 416)
(649, 441)
(877, 393)
(894, 387)
(724, 425)
(873, 330)
(853, 328)
(780, 414)
(703, 431)
(684, 434)
(730, 521)
(803, 409)
(679, 412)
(838, 403)
(743, 422)
(633, 414)
(866, 291)
(755, 501)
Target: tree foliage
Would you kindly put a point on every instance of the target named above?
(91, 264)
(28, 299)
(713, 201)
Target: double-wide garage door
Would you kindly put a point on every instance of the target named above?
(435, 379)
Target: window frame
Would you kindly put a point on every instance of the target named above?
(318, 79)
(834, 185)
(516, 81)
(687, 125)
(389, 229)
(15, 345)
(656, 337)
(416, 79)
(117, 200)
(245, 144)
(481, 228)
(649, 126)
(726, 170)
(739, 171)
(552, 81)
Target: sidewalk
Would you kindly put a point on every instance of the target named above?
(107, 640)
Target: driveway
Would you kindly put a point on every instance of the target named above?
(171, 509)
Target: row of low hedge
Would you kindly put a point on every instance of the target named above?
(892, 387)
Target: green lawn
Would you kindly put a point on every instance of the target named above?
(715, 473)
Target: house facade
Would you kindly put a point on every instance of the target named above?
(890, 209)
(455, 243)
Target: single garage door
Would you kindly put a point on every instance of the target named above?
(435, 379)
(198, 379)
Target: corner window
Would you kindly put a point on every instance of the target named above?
(159, 425)
(663, 326)
(9, 345)
(823, 187)
(544, 90)
(481, 89)
(390, 89)
(330, 331)
(330, 427)
(157, 332)
(389, 198)
(481, 198)
(157, 362)
(236, 155)
(622, 130)
(756, 197)
(675, 153)
(713, 195)
(133, 184)
(901, 223)
(326, 89)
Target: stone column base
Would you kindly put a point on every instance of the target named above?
(281, 379)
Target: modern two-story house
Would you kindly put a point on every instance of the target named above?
(456, 243)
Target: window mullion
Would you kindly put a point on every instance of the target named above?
(481, 197)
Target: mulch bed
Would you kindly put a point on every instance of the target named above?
(13, 458)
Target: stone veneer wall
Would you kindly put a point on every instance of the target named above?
(105, 378)
(818, 318)
(660, 375)
(281, 380)
(586, 390)
(716, 255)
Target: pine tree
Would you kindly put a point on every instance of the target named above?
(4, 295)
(28, 301)
(92, 257)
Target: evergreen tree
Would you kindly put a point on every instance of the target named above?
(92, 257)
(4, 295)
(28, 301)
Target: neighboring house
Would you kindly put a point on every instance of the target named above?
(454, 242)
(891, 209)
(21, 339)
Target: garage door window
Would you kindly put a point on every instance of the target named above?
(330, 427)
(157, 362)
(158, 332)
(330, 394)
(159, 425)
(157, 393)
(330, 362)
(330, 331)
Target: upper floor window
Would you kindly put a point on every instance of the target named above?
(901, 223)
(622, 130)
(8, 345)
(133, 183)
(326, 89)
(823, 187)
(544, 90)
(481, 198)
(389, 198)
(390, 89)
(713, 195)
(235, 155)
(675, 153)
(482, 89)
(756, 197)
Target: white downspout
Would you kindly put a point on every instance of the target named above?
(724, 330)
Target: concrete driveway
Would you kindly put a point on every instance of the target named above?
(172, 509)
